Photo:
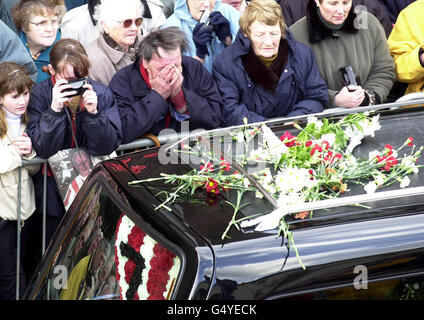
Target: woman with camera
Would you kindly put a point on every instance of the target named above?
(347, 45)
(69, 110)
(38, 25)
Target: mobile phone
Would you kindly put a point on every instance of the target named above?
(77, 85)
(348, 75)
(205, 18)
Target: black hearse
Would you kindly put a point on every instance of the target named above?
(348, 252)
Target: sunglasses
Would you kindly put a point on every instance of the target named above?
(127, 23)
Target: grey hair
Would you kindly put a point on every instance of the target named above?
(112, 11)
(169, 38)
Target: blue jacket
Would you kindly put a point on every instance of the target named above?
(300, 89)
(183, 19)
(43, 59)
(50, 132)
(144, 110)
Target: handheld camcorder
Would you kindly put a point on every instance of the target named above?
(77, 85)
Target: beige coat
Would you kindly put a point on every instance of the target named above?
(9, 170)
(106, 61)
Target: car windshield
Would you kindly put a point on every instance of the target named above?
(319, 170)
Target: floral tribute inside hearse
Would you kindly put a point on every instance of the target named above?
(289, 165)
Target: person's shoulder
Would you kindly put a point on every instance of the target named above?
(190, 63)
(80, 13)
(155, 3)
(416, 7)
(299, 26)
(124, 75)
(172, 21)
(42, 86)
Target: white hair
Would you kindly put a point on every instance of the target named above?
(113, 11)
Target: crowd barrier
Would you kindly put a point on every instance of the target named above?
(405, 101)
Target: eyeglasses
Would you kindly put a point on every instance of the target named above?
(44, 23)
(128, 23)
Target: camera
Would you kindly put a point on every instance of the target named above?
(348, 76)
(77, 85)
(205, 18)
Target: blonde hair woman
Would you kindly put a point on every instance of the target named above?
(265, 73)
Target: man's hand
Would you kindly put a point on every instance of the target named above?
(161, 82)
(177, 81)
(350, 97)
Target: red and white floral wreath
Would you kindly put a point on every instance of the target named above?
(145, 270)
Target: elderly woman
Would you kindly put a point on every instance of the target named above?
(80, 23)
(62, 117)
(38, 24)
(119, 23)
(266, 73)
(206, 39)
(342, 41)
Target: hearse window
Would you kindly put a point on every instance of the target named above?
(102, 253)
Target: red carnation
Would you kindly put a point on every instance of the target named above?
(129, 270)
(136, 238)
(287, 136)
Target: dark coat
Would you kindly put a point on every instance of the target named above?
(143, 110)
(300, 89)
(50, 131)
(295, 10)
(393, 7)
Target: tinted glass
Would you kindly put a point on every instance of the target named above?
(105, 256)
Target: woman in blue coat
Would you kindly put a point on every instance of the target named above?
(205, 43)
(265, 73)
(93, 124)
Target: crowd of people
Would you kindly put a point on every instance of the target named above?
(148, 65)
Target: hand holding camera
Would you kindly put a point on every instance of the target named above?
(89, 98)
(201, 37)
(350, 96)
(221, 26)
(64, 90)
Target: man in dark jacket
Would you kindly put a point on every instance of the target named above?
(162, 88)
(258, 83)
(295, 10)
